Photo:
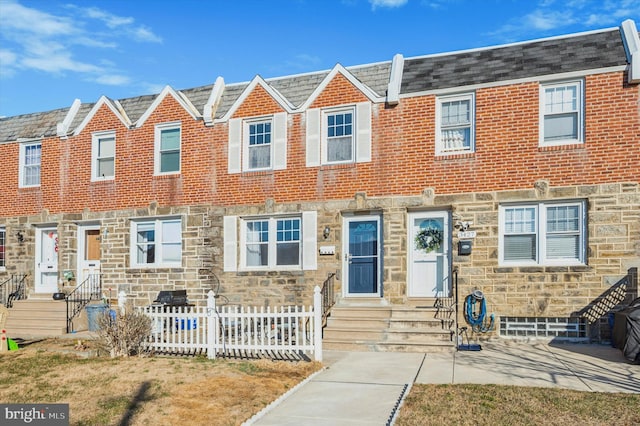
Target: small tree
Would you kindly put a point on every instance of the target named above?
(123, 334)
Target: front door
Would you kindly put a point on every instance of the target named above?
(362, 256)
(428, 255)
(88, 252)
(46, 274)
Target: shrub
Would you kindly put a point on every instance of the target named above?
(123, 334)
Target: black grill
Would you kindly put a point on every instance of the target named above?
(171, 298)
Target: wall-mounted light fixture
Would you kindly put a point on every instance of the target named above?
(326, 232)
(105, 232)
(20, 237)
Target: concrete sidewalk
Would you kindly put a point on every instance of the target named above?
(358, 388)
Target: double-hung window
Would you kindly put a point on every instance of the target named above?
(543, 233)
(271, 242)
(103, 153)
(338, 144)
(30, 161)
(156, 242)
(340, 135)
(258, 146)
(167, 147)
(3, 244)
(561, 113)
(258, 143)
(455, 124)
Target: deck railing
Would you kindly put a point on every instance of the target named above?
(90, 289)
(236, 331)
(12, 289)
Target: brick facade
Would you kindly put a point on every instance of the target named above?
(404, 175)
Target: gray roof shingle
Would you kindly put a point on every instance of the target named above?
(574, 53)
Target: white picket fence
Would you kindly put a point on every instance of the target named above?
(228, 330)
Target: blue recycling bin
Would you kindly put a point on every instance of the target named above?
(93, 313)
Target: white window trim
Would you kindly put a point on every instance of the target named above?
(233, 242)
(157, 137)
(158, 242)
(581, 106)
(245, 143)
(472, 107)
(4, 230)
(541, 234)
(272, 243)
(95, 140)
(324, 133)
(21, 165)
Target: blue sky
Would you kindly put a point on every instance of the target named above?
(52, 52)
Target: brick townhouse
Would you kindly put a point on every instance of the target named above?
(513, 170)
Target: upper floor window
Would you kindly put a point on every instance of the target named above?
(455, 124)
(103, 154)
(338, 140)
(30, 160)
(167, 147)
(156, 243)
(258, 143)
(543, 233)
(338, 135)
(3, 242)
(561, 113)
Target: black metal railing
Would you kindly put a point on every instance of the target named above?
(90, 289)
(12, 289)
(328, 298)
(446, 304)
(622, 292)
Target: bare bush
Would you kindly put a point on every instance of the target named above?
(123, 334)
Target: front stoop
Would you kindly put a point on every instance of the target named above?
(37, 318)
(388, 329)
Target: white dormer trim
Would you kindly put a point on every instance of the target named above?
(257, 81)
(214, 100)
(178, 96)
(118, 112)
(339, 69)
(63, 128)
(395, 79)
(631, 43)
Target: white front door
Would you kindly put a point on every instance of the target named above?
(428, 254)
(88, 252)
(46, 274)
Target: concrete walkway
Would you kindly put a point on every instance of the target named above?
(365, 388)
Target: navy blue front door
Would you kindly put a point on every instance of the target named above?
(363, 257)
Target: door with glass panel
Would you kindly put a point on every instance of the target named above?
(428, 255)
(362, 256)
(46, 276)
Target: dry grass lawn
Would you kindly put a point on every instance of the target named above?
(145, 391)
(513, 405)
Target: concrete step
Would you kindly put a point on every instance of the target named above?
(365, 312)
(435, 347)
(355, 334)
(359, 323)
(424, 336)
(37, 318)
(431, 323)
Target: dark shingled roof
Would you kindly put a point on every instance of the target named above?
(522, 60)
(135, 107)
(198, 96)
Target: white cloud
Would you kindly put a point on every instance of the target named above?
(113, 80)
(547, 16)
(387, 3)
(33, 39)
